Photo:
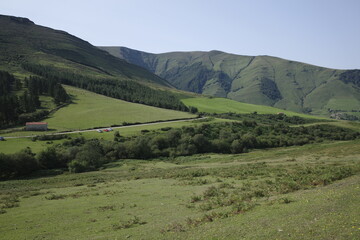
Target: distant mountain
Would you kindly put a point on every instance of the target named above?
(22, 41)
(260, 80)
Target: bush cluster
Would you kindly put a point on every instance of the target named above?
(80, 155)
(224, 138)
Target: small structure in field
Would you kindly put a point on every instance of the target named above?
(36, 126)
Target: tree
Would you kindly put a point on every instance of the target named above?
(18, 84)
(201, 143)
(49, 159)
(236, 146)
(117, 136)
(193, 109)
(90, 157)
(27, 103)
(24, 162)
(60, 95)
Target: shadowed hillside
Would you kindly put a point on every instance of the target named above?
(22, 41)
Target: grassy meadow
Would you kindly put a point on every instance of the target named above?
(224, 105)
(17, 144)
(303, 192)
(91, 110)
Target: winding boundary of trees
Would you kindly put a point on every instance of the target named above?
(127, 90)
(80, 155)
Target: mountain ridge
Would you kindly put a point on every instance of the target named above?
(108, 48)
(262, 79)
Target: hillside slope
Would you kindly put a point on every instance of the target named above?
(261, 80)
(22, 41)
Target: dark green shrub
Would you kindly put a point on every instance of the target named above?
(90, 157)
(49, 159)
(237, 146)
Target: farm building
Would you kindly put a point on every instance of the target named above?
(36, 126)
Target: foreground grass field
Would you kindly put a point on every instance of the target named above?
(224, 105)
(187, 198)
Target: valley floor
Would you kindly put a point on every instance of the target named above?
(307, 192)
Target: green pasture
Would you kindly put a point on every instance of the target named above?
(136, 199)
(224, 105)
(15, 145)
(91, 110)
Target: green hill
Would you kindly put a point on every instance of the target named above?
(37, 55)
(22, 41)
(260, 80)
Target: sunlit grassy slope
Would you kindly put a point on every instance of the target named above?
(223, 105)
(93, 110)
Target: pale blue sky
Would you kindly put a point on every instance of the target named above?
(320, 32)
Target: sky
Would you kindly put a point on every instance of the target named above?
(320, 32)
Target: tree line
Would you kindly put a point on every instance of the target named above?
(80, 155)
(127, 90)
(47, 86)
(24, 106)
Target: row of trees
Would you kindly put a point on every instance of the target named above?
(225, 138)
(79, 155)
(121, 89)
(41, 86)
(8, 82)
(16, 165)
(17, 109)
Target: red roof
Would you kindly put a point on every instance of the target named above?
(36, 123)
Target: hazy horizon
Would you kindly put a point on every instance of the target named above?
(325, 33)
